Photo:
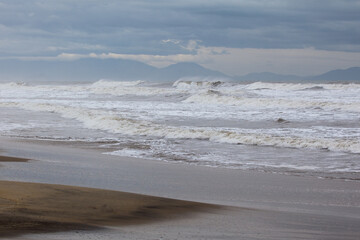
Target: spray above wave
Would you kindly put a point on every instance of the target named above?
(121, 90)
(12, 84)
(115, 123)
(193, 84)
(103, 87)
(109, 83)
(20, 90)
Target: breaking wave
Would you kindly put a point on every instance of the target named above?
(12, 84)
(302, 86)
(115, 123)
(115, 88)
(136, 88)
(109, 83)
(189, 84)
(216, 97)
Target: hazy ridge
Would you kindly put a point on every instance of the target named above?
(120, 69)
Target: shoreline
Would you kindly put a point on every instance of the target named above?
(103, 150)
(212, 203)
(76, 157)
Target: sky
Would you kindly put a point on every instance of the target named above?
(236, 37)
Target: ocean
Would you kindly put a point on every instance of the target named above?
(305, 129)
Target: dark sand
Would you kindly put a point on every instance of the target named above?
(12, 159)
(36, 208)
(268, 206)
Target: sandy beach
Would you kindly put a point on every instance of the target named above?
(12, 159)
(33, 208)
(179, 120)
(258, 206)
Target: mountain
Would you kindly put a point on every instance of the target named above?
(350, 74)
(267, 77)
(187, 69)
(91, 69)
(339, 75)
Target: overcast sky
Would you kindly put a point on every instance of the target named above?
(234, 36)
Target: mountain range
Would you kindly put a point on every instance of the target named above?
(339, 75)
(92, 69)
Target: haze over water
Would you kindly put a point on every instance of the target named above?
(288, 128)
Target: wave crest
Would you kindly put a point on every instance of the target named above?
(109, 83)
(102, 120)
(302, 86)
(217, 98)
(195, 84)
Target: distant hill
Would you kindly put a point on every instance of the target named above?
(339, 75)
(268, 77)
(187, 69)
(350, 74)
(91, 69)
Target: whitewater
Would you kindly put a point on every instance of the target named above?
(288, 128)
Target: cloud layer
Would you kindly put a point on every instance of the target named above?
(162, 32)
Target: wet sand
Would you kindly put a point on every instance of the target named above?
(12, 159)
(35, 208)
(30, 211)
(258, 205)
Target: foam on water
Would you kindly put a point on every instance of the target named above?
(302, 86)
(127, 88)
(115, 123)
(217, 115)
(109, 83)
(188, 84)
(215, 97)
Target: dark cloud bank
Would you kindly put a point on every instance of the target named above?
(51, 27)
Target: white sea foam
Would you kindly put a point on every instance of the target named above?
(20, 90)
(193, 84)
(109, 83)
(115, 88)
(302, 86)
(104, 120)
(210, 121)
(12, 84)
(215, 97)
(128, 88)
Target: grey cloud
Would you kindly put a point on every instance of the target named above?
(139, 26)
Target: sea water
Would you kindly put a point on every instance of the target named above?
(289, 128)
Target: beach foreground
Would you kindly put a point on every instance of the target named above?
(237, 204)
(46, 211)
(33, 208)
